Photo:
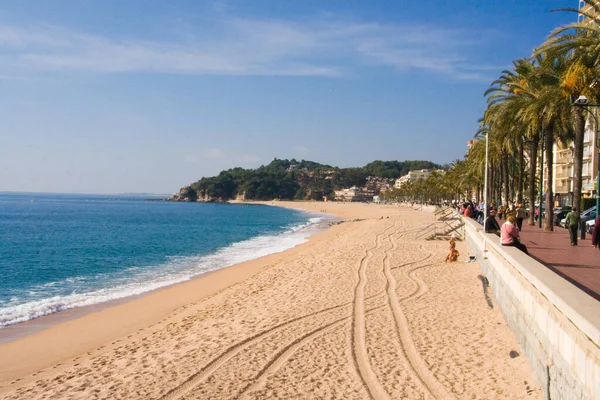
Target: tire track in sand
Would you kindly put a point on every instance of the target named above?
(412, 275)
(359, 347)
(435, 388)
(206, 371)
(286, 353)
(212, 366)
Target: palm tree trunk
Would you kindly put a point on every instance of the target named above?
(501, 177)
(579, 123)
(493, 184)
(548, 145)
(532, 172)
(506, 178)
(499, 183)
(521, 184)
(498, 175)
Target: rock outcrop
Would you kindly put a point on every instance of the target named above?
(185, 194)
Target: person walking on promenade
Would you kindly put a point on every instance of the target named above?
(572, 223)
(521, 215)
(596, 233)
(491, 225)
(509, 234)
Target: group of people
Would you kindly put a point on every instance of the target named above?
(510, 230)
(514, 214)
(468, 209)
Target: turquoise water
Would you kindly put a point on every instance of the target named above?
(64, 251)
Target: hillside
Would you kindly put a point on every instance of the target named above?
(291, 180)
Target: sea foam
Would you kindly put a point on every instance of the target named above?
(86, 291)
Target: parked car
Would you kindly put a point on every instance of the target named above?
(558, 216)
(559, 213)
(589, 225)
(561, 209)
(588, 214)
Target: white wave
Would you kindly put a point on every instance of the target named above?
(177, 269)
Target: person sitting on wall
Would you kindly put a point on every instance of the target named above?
(491, 225)
(509, 234)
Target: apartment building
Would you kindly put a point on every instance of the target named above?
(563, 169)
(415, 175)
(585, 8)
(354, 194)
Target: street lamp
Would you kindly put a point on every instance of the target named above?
(541, 180)
(485, 182)
(582, 102)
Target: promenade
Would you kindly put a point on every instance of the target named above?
(579, 264)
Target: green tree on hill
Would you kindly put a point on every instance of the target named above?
(292, 179)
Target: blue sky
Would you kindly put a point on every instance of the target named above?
(148, 96)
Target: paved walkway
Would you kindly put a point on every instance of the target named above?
(578, 264)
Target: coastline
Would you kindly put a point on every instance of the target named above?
(25, 340)
(307, 322)
(316, 222)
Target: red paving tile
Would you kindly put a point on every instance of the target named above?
(578, 264)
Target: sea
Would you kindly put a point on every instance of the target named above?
(62, 251)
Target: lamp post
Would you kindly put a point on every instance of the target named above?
(598, 160)
(541, 180)
(582, 102)
(485, 182)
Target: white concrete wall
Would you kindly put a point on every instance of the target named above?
(556, 323)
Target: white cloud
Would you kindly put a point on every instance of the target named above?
(214, 154)
(244, 46)
(190, 158)
(301, 149)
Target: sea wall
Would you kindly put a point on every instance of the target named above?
(556, 324)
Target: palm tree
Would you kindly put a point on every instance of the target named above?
(548, 103)
(579, 41)
(506, 97)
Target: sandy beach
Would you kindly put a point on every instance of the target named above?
(363, 310)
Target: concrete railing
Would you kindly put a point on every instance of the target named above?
(556, 324)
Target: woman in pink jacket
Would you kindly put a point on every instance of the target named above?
(509, 234)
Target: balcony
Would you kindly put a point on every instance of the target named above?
(564, 157)
(562, 189)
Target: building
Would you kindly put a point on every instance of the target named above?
(353, 194)
(563, 169)
(377, 184)
(415, 175)
(562, 186)
(585, 8)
